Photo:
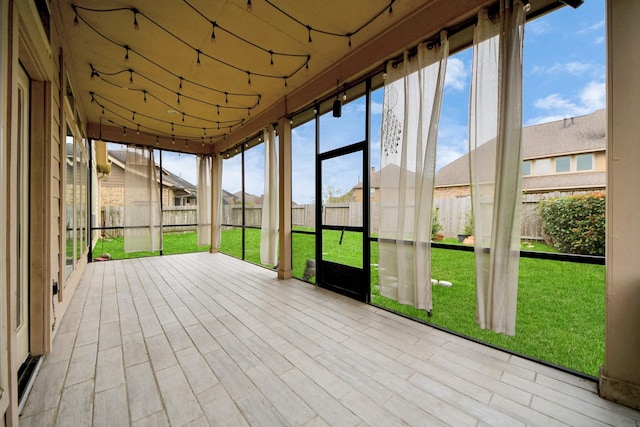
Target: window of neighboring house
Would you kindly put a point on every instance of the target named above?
(542, 166)
(372, 192)
(526, 168)
(563, 164)
(584, 162)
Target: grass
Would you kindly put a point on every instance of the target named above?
(560, 317)
(172, 243)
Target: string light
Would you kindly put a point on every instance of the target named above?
(126, 53)
(138, 130)
(130, 76)
(213, 31)
(388, 8)
(249, 6)
(101, 74)
(165, 29)
(124, 131)
(97, 99)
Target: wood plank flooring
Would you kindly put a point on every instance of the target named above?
(205, 339)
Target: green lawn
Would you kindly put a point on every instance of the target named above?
(172, 243)
(560, 304)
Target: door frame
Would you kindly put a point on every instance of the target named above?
(329, 274)
(23, 217)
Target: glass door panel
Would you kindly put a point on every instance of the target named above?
(341, 236)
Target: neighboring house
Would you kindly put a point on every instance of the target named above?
(374, 187)
(175, 190)
(249, 199)
(564, 155)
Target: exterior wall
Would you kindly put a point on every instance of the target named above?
(23, 42)
(600, 161)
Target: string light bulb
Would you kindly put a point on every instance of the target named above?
(138, 130)
(124, 131)
(76, 21)
(391, 9)
(135, 19)
(213, 31)
(126, 53)
(130, 76)
(249, 6)
(198, 58)
(310, 40)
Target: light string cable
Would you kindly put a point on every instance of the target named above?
(95, 72)
(199, 53)
(388, 8)
(220, 125)
(215, 25)
(180, 78)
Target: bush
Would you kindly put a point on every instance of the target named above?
(575, 224)
(436, 227)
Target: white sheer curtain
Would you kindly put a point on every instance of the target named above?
(203, 208)
(142, 211)
(412, 103)
(216, 202)
(269, 231)
(495, 134)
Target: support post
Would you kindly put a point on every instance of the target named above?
(284, 199)
(620, 376)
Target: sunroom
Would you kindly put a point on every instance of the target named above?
(304, 102)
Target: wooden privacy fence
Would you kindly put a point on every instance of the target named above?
(452, 215)
(177, 218)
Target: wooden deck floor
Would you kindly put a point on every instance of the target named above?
(205, 339)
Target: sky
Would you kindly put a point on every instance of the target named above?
(564, 76)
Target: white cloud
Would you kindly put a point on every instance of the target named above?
(376, 108)
(457, 75)
(573, 68)
(538, 26)
(592, 97)
(595, 27)
(183, 165)
(453, 142)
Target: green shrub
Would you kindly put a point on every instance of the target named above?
(575, 224)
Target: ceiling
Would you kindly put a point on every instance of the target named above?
(151, 71)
